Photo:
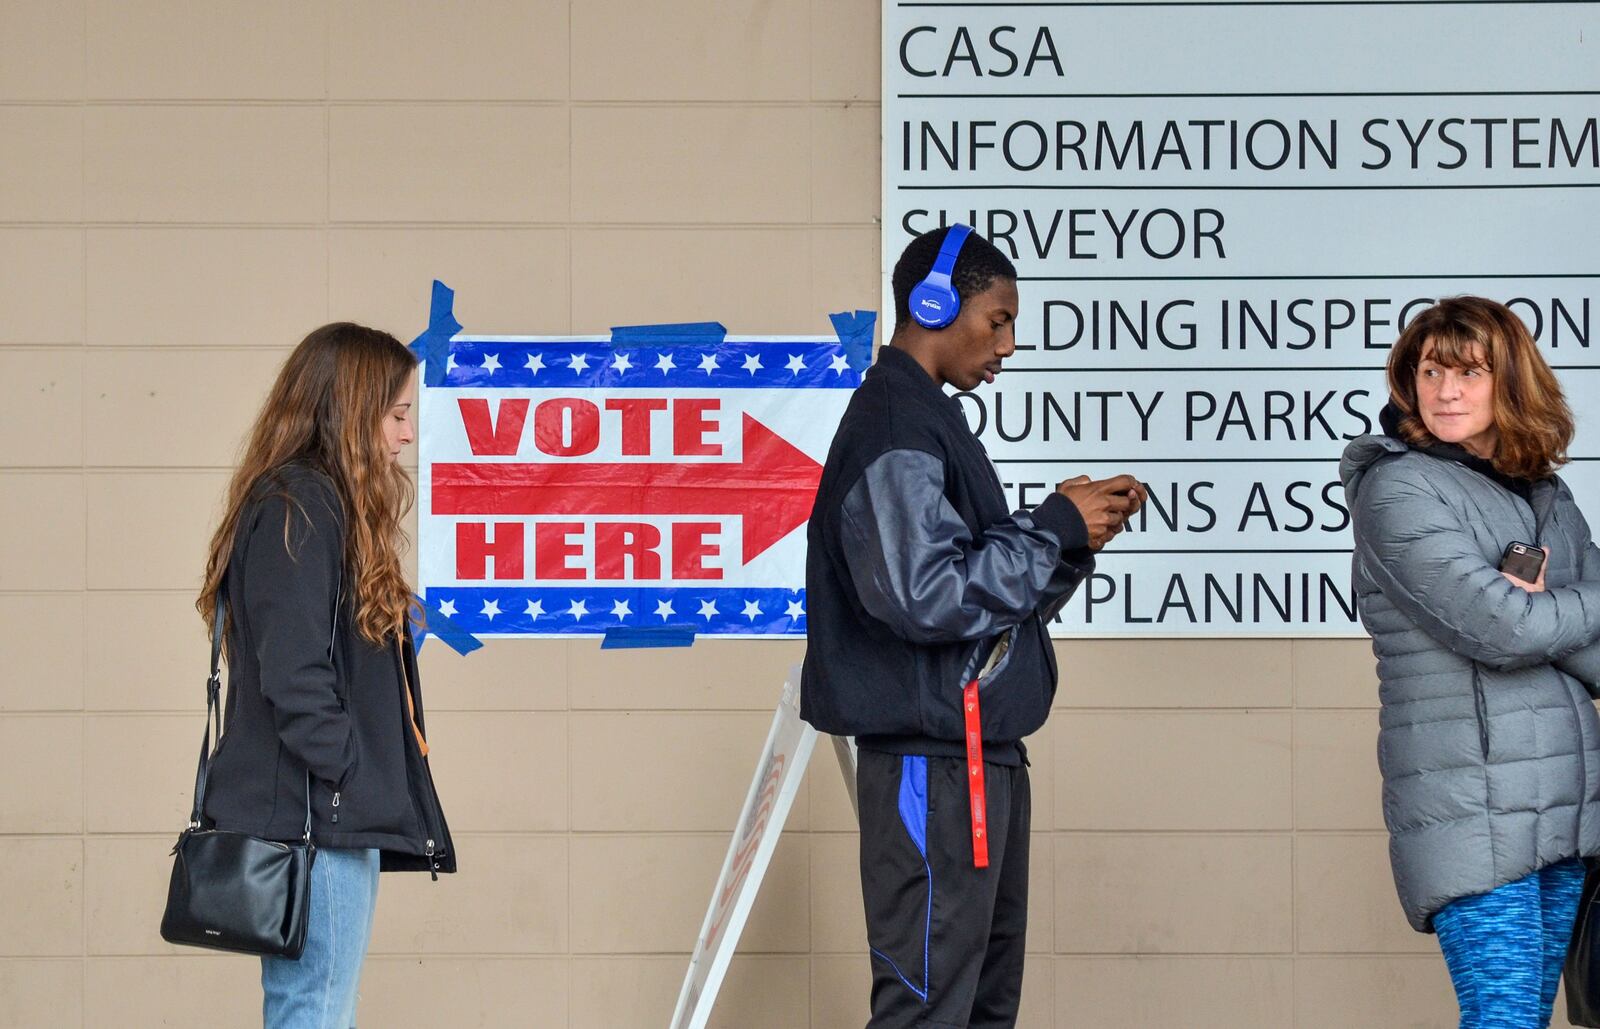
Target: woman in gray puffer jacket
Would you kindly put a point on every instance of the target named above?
(1489, 743)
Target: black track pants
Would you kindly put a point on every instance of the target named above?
(946, 938)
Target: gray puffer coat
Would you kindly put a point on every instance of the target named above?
(1488, 741)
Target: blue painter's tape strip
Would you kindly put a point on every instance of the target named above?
(433, 346)
(456, 638)
(680, 332)
(855, 333)
(628, 639)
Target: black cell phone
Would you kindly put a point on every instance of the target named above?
(1524, 560)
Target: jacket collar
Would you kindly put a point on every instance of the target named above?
(1389, 419)
(903, 370)
(894, 362)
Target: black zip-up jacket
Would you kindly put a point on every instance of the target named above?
(307, 691)
(916, 572)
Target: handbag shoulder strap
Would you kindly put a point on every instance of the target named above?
(213, 712)
(214, 704)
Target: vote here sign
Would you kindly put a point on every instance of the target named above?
(581, 485)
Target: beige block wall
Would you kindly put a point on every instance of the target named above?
(188, 188)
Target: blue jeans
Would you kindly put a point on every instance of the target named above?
(319, 990)
(1505, 948)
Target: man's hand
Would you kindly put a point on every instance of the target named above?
(1104, 504)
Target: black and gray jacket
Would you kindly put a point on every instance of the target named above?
(306, 691)
(916, 572)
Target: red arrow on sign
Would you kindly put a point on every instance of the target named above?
(773, 488)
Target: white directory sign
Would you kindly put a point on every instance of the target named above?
(1221, 216)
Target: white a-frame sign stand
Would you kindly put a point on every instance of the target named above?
(766, 808)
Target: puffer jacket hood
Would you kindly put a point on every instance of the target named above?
(1390, 443)
(1362, 453)
(1488, 740)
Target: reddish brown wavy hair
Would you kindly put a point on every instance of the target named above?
(1530, 410)
(326, 410)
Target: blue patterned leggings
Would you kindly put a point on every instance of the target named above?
(1505, 948)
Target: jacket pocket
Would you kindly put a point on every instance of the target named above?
(994, 666)
(1480, 707)
(1015, 683)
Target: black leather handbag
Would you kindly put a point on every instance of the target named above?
(1582, 971)
(230, 890)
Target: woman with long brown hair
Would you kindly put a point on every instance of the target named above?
(1477, 577)
(323, 702)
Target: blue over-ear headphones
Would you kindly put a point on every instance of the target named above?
(934, 302)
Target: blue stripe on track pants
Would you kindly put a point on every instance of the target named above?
(1505, 948)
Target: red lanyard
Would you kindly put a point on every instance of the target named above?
(975, 790)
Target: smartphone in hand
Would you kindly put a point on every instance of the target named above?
(1523, 560)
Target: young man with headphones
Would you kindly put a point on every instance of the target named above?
(927, 604)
